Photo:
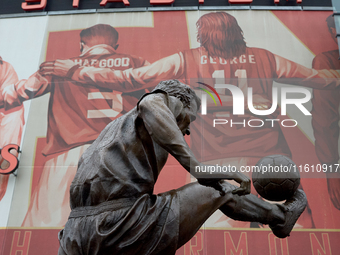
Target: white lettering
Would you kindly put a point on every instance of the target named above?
(258, 120)
(78, 61)
(297, 101)
(110, 63)
(118, 62)
(233, 61)
(212, 60)
(294, 125)
(262, 112)
(125, 61)
(243, 59)
(86, 62)
(102, 63)
(223, 61)
(272, 120)
(219, 122)
(238, 123)
(252, 59)
(238, 100)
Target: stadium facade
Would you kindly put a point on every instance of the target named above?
(60, 118)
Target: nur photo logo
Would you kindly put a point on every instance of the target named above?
(204, 97)
(241, 104)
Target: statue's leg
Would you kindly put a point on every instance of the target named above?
(253, 209)
(281, 218)
(198, 203)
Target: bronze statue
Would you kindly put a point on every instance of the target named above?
(114, 210)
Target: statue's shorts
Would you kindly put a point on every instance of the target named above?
(145, 225)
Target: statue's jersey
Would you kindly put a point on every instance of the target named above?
(256, 68)
(77, 112)
(123, 162)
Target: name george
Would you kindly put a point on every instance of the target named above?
(240, 60)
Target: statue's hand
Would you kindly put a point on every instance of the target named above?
(243, 180)
(240, 178)
(214, 183)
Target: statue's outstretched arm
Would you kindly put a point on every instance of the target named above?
(159, 115)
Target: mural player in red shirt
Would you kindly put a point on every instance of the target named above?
(11, 121)
(76, 116)
(325, 118)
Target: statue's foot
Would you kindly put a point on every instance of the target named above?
(292, 209)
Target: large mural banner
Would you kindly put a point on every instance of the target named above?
(104, 63)
(20, 53)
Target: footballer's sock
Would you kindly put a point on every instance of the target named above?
(251, 208)
(292, 209)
